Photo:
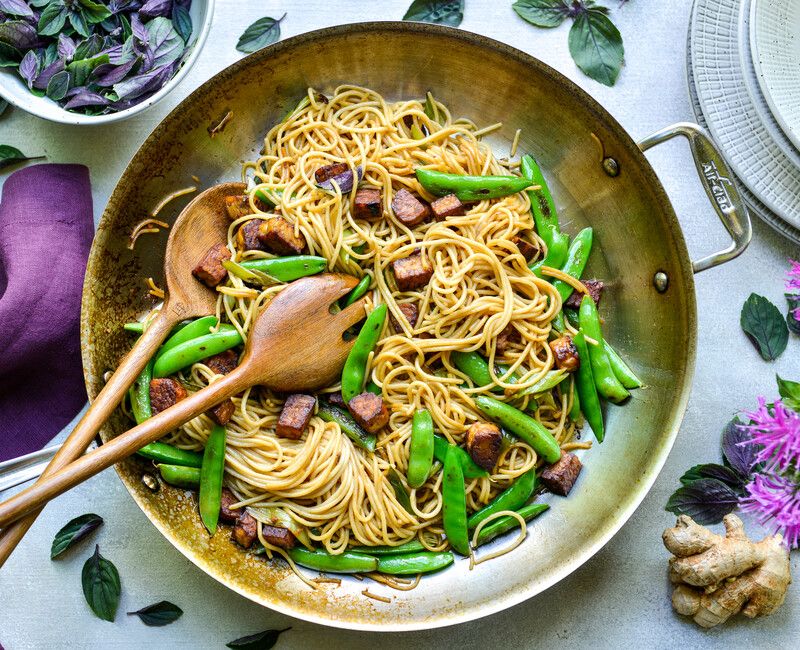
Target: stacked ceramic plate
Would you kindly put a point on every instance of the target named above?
(744, 82)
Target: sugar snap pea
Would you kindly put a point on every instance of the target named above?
(575, 409)
(194, 329)
(577, 257)
(192, 351)
(454, 503)
(552, 379)
(512, 498)
(622, 370)
(136, 327)
(347, 562)
(139, 394)
(476, 367)
(180, 475)
(408, 547)
(420, 457)
(359, 290)
(470, 468)
(470, 188)
(287, 269)
(587, 390)
(355, 367)
(211, 473)
(414, 563)
(545, 217)
(165, 453)
(373, 388)
(347, 424)
(522, 426)
(504, 524)
(605, 380)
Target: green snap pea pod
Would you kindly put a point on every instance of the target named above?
(587, 389)
(373, 388)
(347, 424)
(189, 352)
(513, 497)
(470, 468)
(577, 257)
(422, 562)
(164, 453)
(572, 317)
(420, 457)
(180, 476)
(622, 370)
(474, 366)
(575, 410)
(545, 217)
(454, 503)
(270, 198)
(287, 269)
(355, 368)
(400, 492)
(211, 473)
(605, 380)
(522, 426)
(552, 379)
(504, 524)
(136, 327)
(139, 394)
(194, 329)
(470, 188)
(412, 546)
(346, 562)
(359, 290)
(430, 109)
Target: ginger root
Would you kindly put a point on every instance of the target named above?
(716, 576)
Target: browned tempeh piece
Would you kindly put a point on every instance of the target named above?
(210, 270)
(165, 392)
(225, 513)
(223, 362)
(245, 530)
(277, 235)
(565, 353)
(509, 334)
(277, 536)
(483, 444)
(294, 417)
(595, 289)
(222, 413)
(411, 313)
(369, 411)
(561, 476)
(327, 172)
(527, 249)
(412, 272)
(336, 399)
(247, 238)
(447, 206)
(409, 209)
(368, 203)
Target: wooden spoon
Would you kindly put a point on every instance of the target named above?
(201, 224)
(296, 344)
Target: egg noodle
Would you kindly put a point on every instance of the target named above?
(339, 493)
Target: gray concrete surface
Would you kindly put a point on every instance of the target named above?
(618, 599)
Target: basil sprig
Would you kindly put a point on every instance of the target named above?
(765, 325)
(445, 12)
(101, 586)
(11, 156)
(158, 614)
(74, 531)
(261, 33)
(260, 641)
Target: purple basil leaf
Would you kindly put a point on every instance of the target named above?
(182, 22)
(85, 97)
(343, 180)
(18, 34)
(66, 48)
(58, 86)
(740, 457)
(165, 43)
(706, 501)
(148, 82)
(726, 475)
(154, 8)
(42, 81)
(116, 6)
(15, 8)
(29, 67)
(138, 30)
(108, 74)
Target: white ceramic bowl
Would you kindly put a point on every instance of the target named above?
(14, 90)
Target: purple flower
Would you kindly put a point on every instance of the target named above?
(777, 431)
(793, 277)
(775, 502)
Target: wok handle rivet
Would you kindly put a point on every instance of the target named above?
(661, 281)
(611, 166)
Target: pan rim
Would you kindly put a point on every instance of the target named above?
(679, 250)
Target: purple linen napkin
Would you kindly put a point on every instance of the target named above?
(46, 229)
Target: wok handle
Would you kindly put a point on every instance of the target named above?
(718, 181)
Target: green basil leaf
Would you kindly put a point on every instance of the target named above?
(159, 614)
(706, 501)
(765, 325)
(73, 532)
(789, 392)
(52, 20)
(596, 46)
(11, 156)
(10, 56)
(79, 23)
(182, 22)
(94, 12)
(400, 492)
(58, 85)
(711, 470)
(101, 586)
(261, 33)
(445, 12)
(542, 13)
(261, 641)
(81, 69)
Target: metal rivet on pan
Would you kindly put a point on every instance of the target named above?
(150, 482)
(661, 281)
(610, 166)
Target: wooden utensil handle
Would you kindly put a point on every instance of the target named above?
(94, 418)
(123, 446)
